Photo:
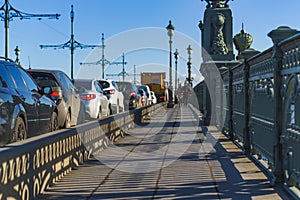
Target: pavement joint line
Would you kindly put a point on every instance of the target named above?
(216, 186)
(162, 164)
(113, 169)
(207, 160)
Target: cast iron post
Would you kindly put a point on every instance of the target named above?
(278, 35)
(230, 88)
(176, 53)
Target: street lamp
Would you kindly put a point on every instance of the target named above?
(170, 29)
(8, 13)
(189, 63)
(176, 53)
(17, 53)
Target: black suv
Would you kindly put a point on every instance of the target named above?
(132, 98)
(24, 109)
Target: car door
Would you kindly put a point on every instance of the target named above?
(44, 110)
(103, 98)
(9, 105)
(119, 94)
(27, 100)
(73, 97)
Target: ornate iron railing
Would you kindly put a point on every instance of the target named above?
(28, 167)
(255, 106)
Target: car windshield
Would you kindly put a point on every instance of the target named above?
(141, 92)
(144, 88)
(87, 85)
(104, 84)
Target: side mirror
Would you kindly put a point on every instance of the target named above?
(77, 91)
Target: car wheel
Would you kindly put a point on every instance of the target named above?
(19, 132)
(54, 122)
(68, 120)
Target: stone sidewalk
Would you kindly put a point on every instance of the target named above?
(168, 157)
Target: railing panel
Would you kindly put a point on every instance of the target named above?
(226, 110)
(238, 99)
(261, 64)
(296, 112)
(262, 137)
(291, 161)
(238, 125)
(263, 104)
(291, 53)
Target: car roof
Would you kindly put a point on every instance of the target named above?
(105, 79)
(7, 60)
(44, 70)
(123, 82)
(144, 86)
(83, 80)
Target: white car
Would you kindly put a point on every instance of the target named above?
(153, 97)
(147, 90)
(91, 94)
(113, 94)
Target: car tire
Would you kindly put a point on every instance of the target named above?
(110, 112)
(68, 120)
(19, 132)
(54, 122)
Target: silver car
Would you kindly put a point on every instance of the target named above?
(91, 94)
(64, 95)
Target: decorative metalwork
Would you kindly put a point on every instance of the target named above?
(218, 44)
(242, 40)
(103, 61)
(72, 44)
(216, 3)
(28, 168)
(123, 73)
(273, 79)
(8, 13)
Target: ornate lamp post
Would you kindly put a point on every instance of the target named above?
(7, 13)
(17, 53)
(170, 29)
(176, 53)
(72, 44)
(189, 63)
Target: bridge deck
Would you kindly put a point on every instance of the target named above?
(167, 158)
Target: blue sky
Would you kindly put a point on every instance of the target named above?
(115, 17)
